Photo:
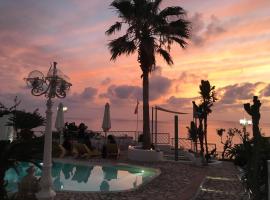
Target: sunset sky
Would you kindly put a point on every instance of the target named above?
(230, 47)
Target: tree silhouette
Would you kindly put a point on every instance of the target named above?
(208, 97)
(193, 133)
(150, 31)
(255, 157)
(198, 110)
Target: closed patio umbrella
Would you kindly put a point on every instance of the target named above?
(106, 124)
(6, 132)
(59, 122)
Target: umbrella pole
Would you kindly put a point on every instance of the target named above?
(61, 137)
(136, 133)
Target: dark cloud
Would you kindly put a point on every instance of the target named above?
(28, 101)
(232, 93)
(159, 86)
(230, 98)
(214, 27)
(201, 32)
(122, 93)
(89, 93)
(180, 102)
(31, 102)
(126, 91)
(187, 77)
(197, 27)
(266, 91)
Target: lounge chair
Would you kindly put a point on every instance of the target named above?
(58, 151)
(63, 151)
(113, 150)
(82, 151)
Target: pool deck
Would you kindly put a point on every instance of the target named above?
(177, 181)
(221, 182)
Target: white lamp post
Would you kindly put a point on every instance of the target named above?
(55, 84)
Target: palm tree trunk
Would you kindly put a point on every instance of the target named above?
(201, 134)
(196, 146)
(146, 119)
(196, 141)
(205, 136)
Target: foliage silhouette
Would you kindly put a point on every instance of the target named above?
(193, 133)
(25, 121)
(228, 143)
(22, 120)
(198, 109)
(208, 97)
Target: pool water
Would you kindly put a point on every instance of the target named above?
(75, 177)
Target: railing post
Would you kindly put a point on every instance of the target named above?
(176, 137)
(152, 125)
(155, 125)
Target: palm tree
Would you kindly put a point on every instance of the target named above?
(208, 97)
(200, 132)
(150, 31)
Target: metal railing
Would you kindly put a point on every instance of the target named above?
(188, 144)
(183, 143)
(211, 146)
(133, 134)
(161, 138)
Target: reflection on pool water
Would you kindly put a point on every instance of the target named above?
(75, 177)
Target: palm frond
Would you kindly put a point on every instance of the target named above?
(120, 46)
(170, 11)
(124, 8)
(165, 54)
(156, 4)
(180, 41)
(180, 28)
(116, 27)
(192, 131)
(207, 96)
(149, 30)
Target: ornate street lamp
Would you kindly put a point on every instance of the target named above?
(55, 84)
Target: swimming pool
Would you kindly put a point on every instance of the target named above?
(82, 177)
